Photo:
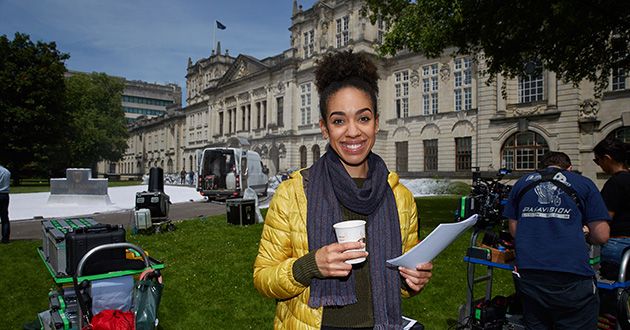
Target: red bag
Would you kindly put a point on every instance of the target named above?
(112, 320)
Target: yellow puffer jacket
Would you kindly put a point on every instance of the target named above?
(284, 240)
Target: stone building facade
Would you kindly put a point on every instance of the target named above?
(438, 117)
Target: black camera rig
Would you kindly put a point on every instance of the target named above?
(487, 197)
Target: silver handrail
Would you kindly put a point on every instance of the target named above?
(623, 266)
(110, 247)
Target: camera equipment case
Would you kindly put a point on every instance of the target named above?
(157, 202)
(54, 239)
(82, 240)
(241, 211)
(142, 219)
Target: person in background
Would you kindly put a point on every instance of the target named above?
(191, 177)
(613, 155)
(5, 181)
(182, 176)
(547, 211)
(299, 262)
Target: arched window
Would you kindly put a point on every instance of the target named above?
(302, 157)
(170, 166)
(522, 151)
(622, 133)
(315, 151)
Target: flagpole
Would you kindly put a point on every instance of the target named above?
(214, 32)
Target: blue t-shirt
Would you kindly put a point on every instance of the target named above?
(549, 233)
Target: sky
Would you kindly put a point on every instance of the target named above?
(150, 40)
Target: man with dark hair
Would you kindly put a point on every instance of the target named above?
(547, 211)
(555, 158)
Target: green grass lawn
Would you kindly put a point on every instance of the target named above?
(41, 185)
(208, 276)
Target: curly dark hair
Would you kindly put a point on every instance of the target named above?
(336, 70)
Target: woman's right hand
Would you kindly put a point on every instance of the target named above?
(331, 258)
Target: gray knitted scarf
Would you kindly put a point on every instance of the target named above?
(330, 184)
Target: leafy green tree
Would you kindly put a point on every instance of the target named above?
(97, 122)
(576, 39)
(32, 114)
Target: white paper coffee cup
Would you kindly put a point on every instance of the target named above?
(351, 231)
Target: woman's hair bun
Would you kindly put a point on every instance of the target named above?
(341, 66)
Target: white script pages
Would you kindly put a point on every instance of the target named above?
(441, 237)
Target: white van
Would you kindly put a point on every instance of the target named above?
(227, 172)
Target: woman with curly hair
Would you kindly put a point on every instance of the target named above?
(299, 261)
(613, 156)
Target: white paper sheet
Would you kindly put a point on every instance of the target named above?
(441, 237)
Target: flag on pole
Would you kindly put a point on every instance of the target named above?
(220, 26)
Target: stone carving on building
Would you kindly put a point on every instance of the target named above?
(323, 34)
(242, 70)
(445, 72)
(280, 87)
(589, 109)
(243, 96)
(230, 102)
(414, 78)
(520, 110)
(259, 92)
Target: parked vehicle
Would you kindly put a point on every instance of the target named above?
(227, 172)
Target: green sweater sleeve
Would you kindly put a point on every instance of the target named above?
(305, 269)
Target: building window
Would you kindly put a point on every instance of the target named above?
(244, 115)
(229, 120)
(343, 31)
(249, 117)
(315, 151)
(401, 85)
(430, 154)
(382, 29)
(430, 89)
(309, 43)
(280, 110)
(402, 156)
(264, 113)
(463, 84)
(305, 105)
(258, 113)
(523, 151)
(463, 153)
(235, 120)
(530, 87)
(618, 79)
(622, 133)
(302, 157)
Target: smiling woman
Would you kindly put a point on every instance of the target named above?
(299, 262)
(351, 126)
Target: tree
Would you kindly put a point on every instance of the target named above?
(97, 122)
(31, 104)
(576, 39)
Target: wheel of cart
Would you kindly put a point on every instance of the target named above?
(614, 297)
(161, 224)
(112, 300)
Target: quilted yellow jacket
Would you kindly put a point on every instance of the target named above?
(284, 240)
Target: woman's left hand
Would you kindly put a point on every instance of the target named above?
(417, 278)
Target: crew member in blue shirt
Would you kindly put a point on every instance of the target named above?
(5, 180)
(553, 277)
